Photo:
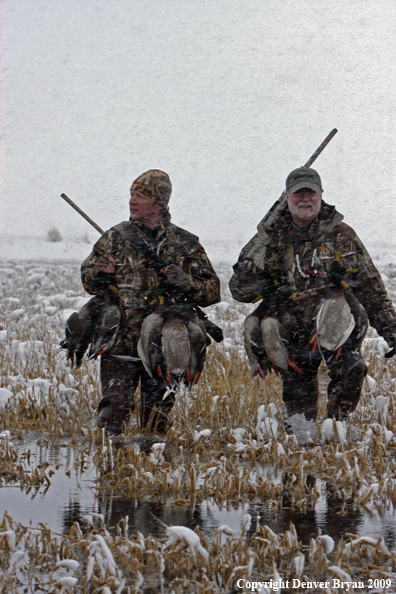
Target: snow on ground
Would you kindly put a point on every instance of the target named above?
(34, 248)
(33, 300)
(75, 249)
(223, 252)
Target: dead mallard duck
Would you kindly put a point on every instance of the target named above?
(173, 344)
(106, 327)
(265, 342)
(149, 345)
(275, 338)
(96, 324)
(79, 329)
(254, 346)
(340, 315)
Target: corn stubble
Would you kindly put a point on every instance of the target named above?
(226, 444)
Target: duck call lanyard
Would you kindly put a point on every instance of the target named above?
(310, 234)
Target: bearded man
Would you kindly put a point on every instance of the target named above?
(318, 287)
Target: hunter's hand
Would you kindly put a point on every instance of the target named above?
(110, 268)
(103, 272)
(177, 277)
(246, 268)
(105, 264)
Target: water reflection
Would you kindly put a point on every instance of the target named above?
(59, 504)
(72, 495)
(72, 512)
(148, 517)
(332, 514)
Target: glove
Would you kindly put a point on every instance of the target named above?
(104, 281)
(103, 272)
(177, 277)
(245, 268)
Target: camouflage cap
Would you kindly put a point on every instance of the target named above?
(155, 184)
(303, 177)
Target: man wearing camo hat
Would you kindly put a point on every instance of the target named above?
(118, 262)
(317, 285)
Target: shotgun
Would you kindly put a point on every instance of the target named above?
(275, 208)
(214, 331)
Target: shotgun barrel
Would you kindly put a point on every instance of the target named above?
(82, 213)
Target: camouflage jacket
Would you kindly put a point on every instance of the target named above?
(291, 263)
(140, 287)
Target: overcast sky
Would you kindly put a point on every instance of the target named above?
(227, 96)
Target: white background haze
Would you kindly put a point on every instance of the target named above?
(227, 96)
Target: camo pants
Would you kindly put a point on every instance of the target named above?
(120, 380)
(300, 388)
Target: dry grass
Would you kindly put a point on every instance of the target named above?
(93, 560)
(227, 443)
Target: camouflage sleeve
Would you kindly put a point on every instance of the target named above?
(204, 281)
(369, 289)
(245, 286)
(96, 261)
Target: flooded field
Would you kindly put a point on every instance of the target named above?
(227, 497)
(73, 493)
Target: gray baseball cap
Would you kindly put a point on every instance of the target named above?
(303, 177)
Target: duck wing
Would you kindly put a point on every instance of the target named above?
(106, 329)
(273, 343)
(334, 322)
(254, 345)
(197, 338)
(175, 346)
(360, 317)
(149, 344)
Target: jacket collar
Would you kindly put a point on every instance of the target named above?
(157, 233)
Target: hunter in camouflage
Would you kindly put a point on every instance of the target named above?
(118, 264)
(293, 264)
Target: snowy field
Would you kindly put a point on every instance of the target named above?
(227, 97)
(227, 450)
